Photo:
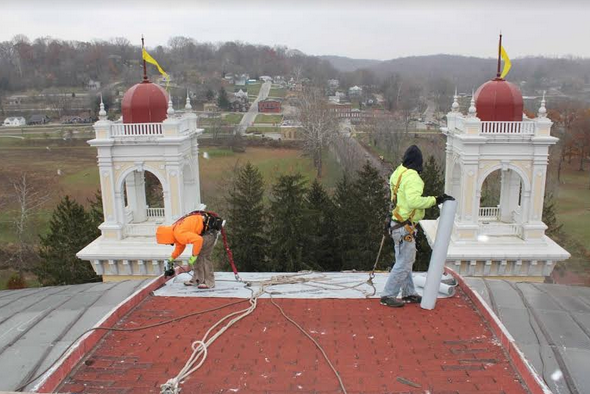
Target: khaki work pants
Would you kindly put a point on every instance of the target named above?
(203, 269)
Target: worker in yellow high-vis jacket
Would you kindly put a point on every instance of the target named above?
(406, 193)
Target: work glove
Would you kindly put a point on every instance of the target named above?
(192, 260)
(169, 267)
(442, 198)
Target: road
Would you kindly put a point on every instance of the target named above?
(250, 116)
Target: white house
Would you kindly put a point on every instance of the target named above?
(355, 91)
(14, 121)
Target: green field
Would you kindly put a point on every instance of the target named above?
(268, 119)
(277, 92)
(253, 89)
(262, 129)
(573, 205)
(233, 118)
(41, 159)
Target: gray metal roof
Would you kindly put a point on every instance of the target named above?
(38, 324)
(551, 326)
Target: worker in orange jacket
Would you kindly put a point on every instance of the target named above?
(199, 229)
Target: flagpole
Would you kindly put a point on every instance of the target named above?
(145, 78)
(499, 56)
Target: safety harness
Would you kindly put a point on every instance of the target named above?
(210, 221)
(407, 224)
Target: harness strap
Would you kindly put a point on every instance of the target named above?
(410, 227)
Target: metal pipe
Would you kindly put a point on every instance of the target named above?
(439, 254)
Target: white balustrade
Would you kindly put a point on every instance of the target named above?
(136, 129)
(156, 212)
(489, 212)
(488, 127)
(500, 229)
(140, 230)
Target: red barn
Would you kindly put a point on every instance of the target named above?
(269, 106)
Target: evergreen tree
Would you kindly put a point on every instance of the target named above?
(288, 227)
(96, 213)
(371, 208)
(346, 203)
(321, 229)
(222, 100)
(70, 229)
(246, 220)
(209, 95)
(434, 185)
(549, 217)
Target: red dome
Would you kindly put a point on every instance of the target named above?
(145, 102)
(498, 100)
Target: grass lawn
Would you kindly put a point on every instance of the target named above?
(277, 92)
(233, 118)
(268, 119)
(573, 204)
(253, 89)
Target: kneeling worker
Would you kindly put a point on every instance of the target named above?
(406, 192)
(199, 229)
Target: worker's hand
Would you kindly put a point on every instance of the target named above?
(191, 260)
(444, 197)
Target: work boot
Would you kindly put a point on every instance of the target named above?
(392, 302)
(412, 299)
(191, 283)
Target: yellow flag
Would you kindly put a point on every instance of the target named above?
(507, 63)
(146, 56)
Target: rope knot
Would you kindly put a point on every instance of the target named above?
(170, 387)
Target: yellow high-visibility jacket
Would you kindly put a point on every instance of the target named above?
(409, 194)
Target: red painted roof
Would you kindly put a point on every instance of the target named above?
(499, 100)
(144, 102)
(374, 348)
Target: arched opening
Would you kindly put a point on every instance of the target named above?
(500, 203)
(143, 198)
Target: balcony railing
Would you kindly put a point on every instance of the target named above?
(489, 213)
(136, 129)
(156, 213)
(140, 230)
(500, 229)
(488, 127)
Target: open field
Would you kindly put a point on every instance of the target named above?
(41, 159)
(268, 119)
(277, 92)
(573, 204)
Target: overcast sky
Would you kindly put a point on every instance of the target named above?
(360, 29)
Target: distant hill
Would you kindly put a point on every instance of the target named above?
(346, 64)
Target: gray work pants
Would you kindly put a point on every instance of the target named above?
(203, 269)
(400, 277)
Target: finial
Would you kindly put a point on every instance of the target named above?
(188, 105)
(472, 109)
(499, 56)
(102, 114)
(145, 78)
(542, 110)
(170, 110)
(455, 105)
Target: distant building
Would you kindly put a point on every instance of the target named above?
(269, 106)
(241, 94)
(333, 84)
(210, 107)
(38, 119)
(355, 91)
(93, 85)
(14, 121)
(266, 78)
(338, 97)
(241, 80)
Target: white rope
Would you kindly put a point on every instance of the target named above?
(200, 347)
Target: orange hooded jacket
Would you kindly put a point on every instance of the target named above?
(186, 231)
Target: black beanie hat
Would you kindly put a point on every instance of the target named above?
(413, 158)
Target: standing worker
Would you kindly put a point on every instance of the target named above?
(406, 193)
(199, 229)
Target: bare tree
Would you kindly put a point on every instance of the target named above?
(318, 124)
(390, 134)
(29, 198)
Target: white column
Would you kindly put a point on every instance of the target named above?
(140, 208)
(509, 194)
